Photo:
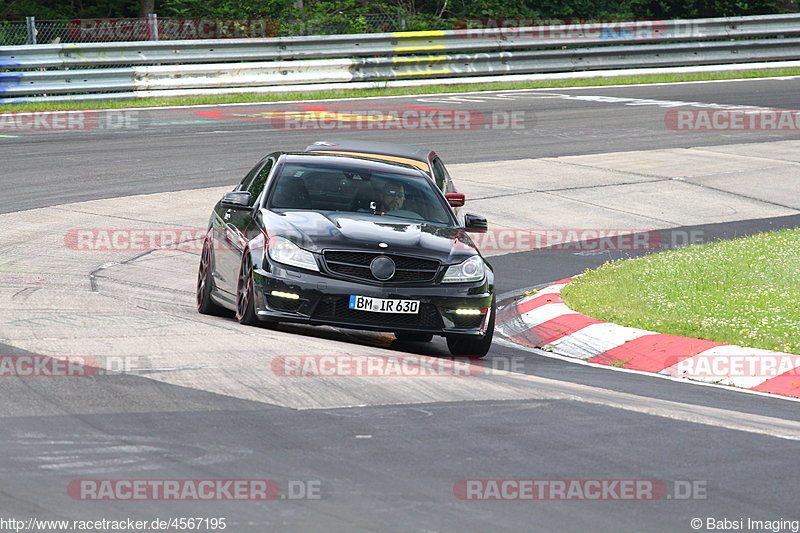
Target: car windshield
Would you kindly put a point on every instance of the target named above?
(315, 188)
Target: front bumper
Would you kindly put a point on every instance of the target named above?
(323, 301)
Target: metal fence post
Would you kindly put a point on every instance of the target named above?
(30, 23)
(152, 21)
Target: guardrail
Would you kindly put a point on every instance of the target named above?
(84, 71)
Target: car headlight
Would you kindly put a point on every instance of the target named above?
(285, 251)
(473, 269)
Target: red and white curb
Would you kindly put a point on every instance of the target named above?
(543, 320)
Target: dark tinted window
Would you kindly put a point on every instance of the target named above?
(441, 175)
(248, 179)
(307, 187)
(257, 184)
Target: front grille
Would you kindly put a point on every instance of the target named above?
(356, 265)
(334, 309)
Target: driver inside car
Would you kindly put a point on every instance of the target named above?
(392, 197)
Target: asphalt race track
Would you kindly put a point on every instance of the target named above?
(202, 400)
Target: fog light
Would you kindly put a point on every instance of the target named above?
(289, 295)
(470, 311)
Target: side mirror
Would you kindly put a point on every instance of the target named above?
(475, 223)
(455, 199)
(236, 200)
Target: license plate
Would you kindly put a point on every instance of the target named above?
(384, 305)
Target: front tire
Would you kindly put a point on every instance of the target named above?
(205, 284)
(474, 346)
(245, 293)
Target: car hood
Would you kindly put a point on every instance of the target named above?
(317, 232)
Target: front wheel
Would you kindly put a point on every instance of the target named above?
(245, 295)
(471, 345)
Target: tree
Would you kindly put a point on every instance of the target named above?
(147, 7)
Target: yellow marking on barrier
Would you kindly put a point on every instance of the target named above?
(419, 48)
(418, 59)
(423, 72)
(414, 34)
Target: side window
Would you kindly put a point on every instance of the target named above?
(245, 183)
(257, 184)
(440, 175)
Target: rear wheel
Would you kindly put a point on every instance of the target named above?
(471, 345)
(413, 336)
(205, 284)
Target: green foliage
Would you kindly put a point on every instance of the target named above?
(67, 9)
(615, 9)
(424, 21)
(418, 14)
(223, 8)
(11, 35)
(492, 9)
(672, 9)
(743, 291)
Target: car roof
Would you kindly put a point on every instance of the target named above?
(372, 147)
(354, 162)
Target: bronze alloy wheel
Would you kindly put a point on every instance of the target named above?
(205, 304)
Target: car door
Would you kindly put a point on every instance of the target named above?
(231, 226)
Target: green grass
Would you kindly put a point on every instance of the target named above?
(744, 291)
(356, 93)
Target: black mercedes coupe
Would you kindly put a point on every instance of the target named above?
(350, 242)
